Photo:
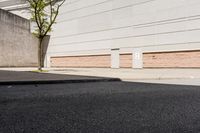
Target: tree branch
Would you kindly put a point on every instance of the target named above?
(36, 19)
(53, 20)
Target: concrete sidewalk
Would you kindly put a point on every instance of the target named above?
(25, 77)
(159, 76)
(192, 82)
(132, 74)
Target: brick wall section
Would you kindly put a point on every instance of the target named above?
(82, 61)
(126, 60)
(184, 59)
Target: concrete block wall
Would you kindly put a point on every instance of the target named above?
(18, 47)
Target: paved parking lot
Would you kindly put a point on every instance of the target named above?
(103, 107)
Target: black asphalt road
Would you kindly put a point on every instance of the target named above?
(104, 107)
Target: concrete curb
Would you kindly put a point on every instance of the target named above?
(58, 81)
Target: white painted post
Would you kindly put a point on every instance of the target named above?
(115, 58)
(137, 60)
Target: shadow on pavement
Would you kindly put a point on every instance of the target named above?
(21, 77)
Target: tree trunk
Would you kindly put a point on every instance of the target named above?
(40, 54)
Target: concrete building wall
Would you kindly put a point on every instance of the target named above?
(18, 47)
(94, 27)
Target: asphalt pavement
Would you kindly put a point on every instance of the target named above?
(102, 107)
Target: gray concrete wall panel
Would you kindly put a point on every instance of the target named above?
(18, 47)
